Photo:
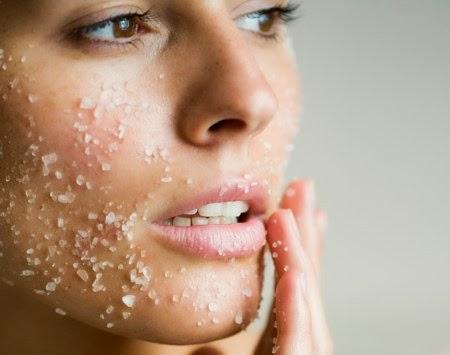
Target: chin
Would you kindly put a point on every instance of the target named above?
(207, 302)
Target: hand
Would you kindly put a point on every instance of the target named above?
(295, 236)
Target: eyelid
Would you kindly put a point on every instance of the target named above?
(102, 16)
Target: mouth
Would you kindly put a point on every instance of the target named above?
(227, 212)
(225, 221)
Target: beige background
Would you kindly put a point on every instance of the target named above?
(375, 137)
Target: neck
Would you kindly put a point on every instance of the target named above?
(29, 327)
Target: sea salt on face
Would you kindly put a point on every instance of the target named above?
(238, 318)
(247, 292)
(110, 218)
(87, 103)
(51, 286)
(106, 167)
(49, 158)
(83, 275)
(32, 98)
(129, 300)
(60, 311)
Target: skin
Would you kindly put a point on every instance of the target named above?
(143, 142)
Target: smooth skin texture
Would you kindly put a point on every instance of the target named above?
(99, 137)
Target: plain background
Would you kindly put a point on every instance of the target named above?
(375, 137)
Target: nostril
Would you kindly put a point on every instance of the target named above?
(230, 124)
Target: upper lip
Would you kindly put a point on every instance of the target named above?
(253, 191)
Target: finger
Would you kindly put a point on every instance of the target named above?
(301, 199)
(293, 317)
(323, 344)
(283, 238)
(284, 242)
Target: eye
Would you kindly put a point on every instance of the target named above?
(258, 22)
(266, 22)
(124, 27)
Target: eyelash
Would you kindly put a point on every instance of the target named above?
(285, 13)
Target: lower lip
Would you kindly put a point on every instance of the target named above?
(215, 240)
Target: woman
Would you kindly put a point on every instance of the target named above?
(143, 145)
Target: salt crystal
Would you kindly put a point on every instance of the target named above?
(213, 307)
(129, 300)
(58, 175)
(92, 215)
(106, 167)
(238, 318)
(175, 298)
(51, 286)
(49, 158)
(96, 285)
(109, 309)
(109, 325)
(60, 311)
(126, 315)
(67, 197)
(247, 292)
(60, 222)
(87, 103)
(110, 218)
(80, 180)
(52, 250)
(83, 275)
(166, 179)
(32, 98)
(30, 251)
(27, 273)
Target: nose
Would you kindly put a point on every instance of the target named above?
(228, 97)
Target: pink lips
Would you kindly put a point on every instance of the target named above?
(216, 240)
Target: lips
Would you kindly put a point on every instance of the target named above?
(219, 240)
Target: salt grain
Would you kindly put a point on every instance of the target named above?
(110, 218)
(83, 275)
(238, 318)
(80, 180)
(51, 286)
(60, 311)
(32, 98)
(87, 103)
(129, 300)
(247, 292)
(106, 167)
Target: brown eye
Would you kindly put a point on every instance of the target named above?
(266, 22)
(124, 27)
(260, 22)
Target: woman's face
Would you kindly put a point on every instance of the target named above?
(108, 128)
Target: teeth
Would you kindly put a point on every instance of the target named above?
(229, 209)
(182, 221)
(211, 210)
(197, 221)
(191, 212)
(234, 208)
(228, 220)
(214, 220)
(212, 213)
